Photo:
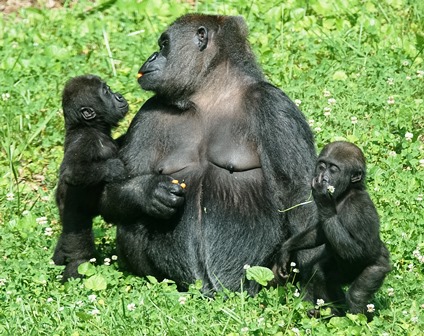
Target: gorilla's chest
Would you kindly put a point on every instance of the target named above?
(195, 144)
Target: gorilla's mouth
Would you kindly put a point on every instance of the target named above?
(144, 73)
(124, 108)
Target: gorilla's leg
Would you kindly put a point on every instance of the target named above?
(326, 285)
(366, 284)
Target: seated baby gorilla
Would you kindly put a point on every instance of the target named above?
(349, 227)
(90, 160)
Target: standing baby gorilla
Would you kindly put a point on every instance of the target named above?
(349, 228)
(90, 109)
(240, 144)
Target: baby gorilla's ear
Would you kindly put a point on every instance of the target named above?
(87, 113)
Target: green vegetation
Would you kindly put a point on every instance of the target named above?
(356, 69)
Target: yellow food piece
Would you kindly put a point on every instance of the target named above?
(139, 75)
(174, 181)
(183, 185)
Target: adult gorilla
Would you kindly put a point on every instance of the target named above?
(241, 146)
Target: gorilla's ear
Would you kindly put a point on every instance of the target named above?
(87, 113)
(202, 38)
(356, 177)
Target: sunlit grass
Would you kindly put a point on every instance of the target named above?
(356, 70)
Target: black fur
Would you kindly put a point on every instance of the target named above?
(241, 146)
(349, 227)
(90, 160)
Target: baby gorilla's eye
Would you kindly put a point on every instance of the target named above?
(334, 169)
(163, 44)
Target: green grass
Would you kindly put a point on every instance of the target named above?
(366, 55)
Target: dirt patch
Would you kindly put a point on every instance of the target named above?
(8, 6)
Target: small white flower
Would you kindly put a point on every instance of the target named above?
(420, 73)
(246, 267)
(295, 330)
(331, 101)
(320, 302)
(49, 300)
(422, 162)
(79, 303)
(311, 122)
(244, 330)
(92, 297)
(18, 299)
(48, 231)
(131, 306)
(419, 198)
(114, 257)
(354, 120)
(292, 264)
(182, 300)
(405, 62)
(260, 320)
(297, 102)
(408, 77)
(296, 270)
(390, 291)
(390, 100)
(317, 129)
(5, 96)
(326, 93)
(327, 111)
(107, 261)
(10, 196)
(370, 308)
(392, 153)
(95, 312)
(2, 282)
(390, 81)
(414, 319)
(61, 309)
(409, 136)
(404, 312)
(296, 293)
(331, 189)
(41, 220)
(92, 260)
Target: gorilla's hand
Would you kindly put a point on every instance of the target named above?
(322, 192)
(115, 170)
(165, 199)
(281, 269)
(320, 188)
(73, 249)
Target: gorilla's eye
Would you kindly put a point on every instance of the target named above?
(163, 44)
(334, 169)
(321, 166)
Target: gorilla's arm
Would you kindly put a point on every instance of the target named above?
(155, 196)
(312, 237)
(352, 227)
(287, 152)
(90, 173)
